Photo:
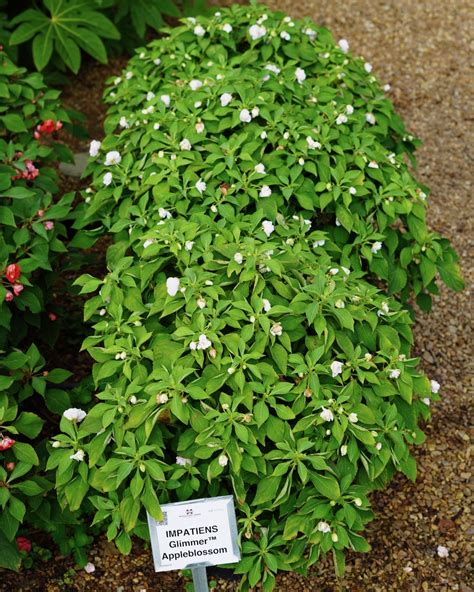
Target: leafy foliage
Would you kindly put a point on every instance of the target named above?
(240, 344)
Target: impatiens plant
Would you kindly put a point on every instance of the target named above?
(255, 184)
(218, 96)
(32, 222)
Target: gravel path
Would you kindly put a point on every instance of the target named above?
(422, 48)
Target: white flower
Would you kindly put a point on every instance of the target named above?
(162, 398)
(285, 35)
(197, 104)
(263, 135)
(344, 45)
(199, 127)
(195, 84)
(334, 537)
(74, 414)
(157, 61)
(201, 303)
(129, 75)
(94, 148)
(255, 112)
(312, 144)
(276, 330)
(166, 100)
(156, 126)
(352, 190)
(89, 568)
(323, 527)
(376, 247)
(172, 286)
(273, 68)
(426, 401)
(326, 414)
(387, 87)
(349, 109)
(124, 123)
(56, 444)
(336, 368)
(301, 161)
(79, 456)
(268, 227)
(185, 144)
(201, 186)
(311, 34)
(238, 258)
(266, 304)
(358, 502)
(231, 370)
(225, 99)
(223, 460)
(353, 417)
(373, 165)
(368, 67)
(378, 446)
(199, 31)
(265, 191)
(343, 450)
(133, 400)
(107, 179)
(227, 28)
(319, 243)
(368, 357)
(148, 243)
(334, 271)
(435, 386)
(341, 119)
(112, 157)
(338, 222)
(339, 303)
(164, 213)
(257, 31)
(188, 245)
(150, 95)
(193, 345)
(300, 75)
(442, 551)
(203, 342)
(394, 373)
(182, 461)
(117, 80)
(345, 270)
(245, 116)
(370, 118)
(260, 168)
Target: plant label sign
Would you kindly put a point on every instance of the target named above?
(197, 532)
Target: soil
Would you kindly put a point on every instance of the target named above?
(422, 49)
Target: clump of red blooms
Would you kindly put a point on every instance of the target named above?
(30, 173)
(47, 127)
(6, 443)
(23, 544)
(12, 273)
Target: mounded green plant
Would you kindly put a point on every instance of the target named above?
(254, 180)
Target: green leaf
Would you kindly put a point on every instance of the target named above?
(25, 453)
(266, 490)
(42, 49)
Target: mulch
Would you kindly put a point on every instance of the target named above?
(422, 49)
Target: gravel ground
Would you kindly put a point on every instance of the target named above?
(422, 48)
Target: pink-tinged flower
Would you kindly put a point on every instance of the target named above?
(12, 272)
(49, 224)
(52, 316)
(47, 127)
(6, 443)
(435, 386)
(18, 289)
(344, 45)
(323, 527)
(89, 568)
(40, 213)
(336, 368)
(94, 148)
(326, 414)
(9, 296)
(442, 551)
(23, 544)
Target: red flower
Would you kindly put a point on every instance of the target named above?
(8, 296)
(23, 544)
(13, 272)
(47, 127)
(6, 443)
(52, 316)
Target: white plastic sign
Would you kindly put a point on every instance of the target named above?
(197, 532)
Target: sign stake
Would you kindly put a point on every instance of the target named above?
(200, 579)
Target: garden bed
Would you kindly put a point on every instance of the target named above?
(427, 46)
